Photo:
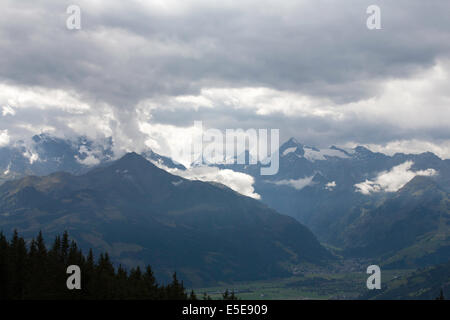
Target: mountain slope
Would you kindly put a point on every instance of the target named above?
(318, 186)
(411, 227)
(142, 214)
(424, 284)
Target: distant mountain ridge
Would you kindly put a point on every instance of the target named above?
(142, 214)
(362, 201)
(318, 187)
(46, 154)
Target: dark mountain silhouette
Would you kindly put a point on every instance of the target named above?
(141, 214)
(329, 205)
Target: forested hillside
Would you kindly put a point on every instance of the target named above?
(35, 272)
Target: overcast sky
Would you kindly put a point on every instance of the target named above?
(144, 71)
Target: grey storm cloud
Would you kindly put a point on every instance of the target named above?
(127, 51)
(316, 131)
(132, 51)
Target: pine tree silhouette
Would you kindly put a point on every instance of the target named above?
(34, 272)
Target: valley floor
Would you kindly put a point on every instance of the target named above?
(340, 285)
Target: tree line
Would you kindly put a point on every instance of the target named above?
(31, 271)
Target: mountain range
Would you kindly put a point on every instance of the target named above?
(46, 154)
(393, 210)
(141, 214)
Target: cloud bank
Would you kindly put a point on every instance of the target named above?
(237, 181)
(392, 180)
(140, 70)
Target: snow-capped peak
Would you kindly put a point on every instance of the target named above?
(314, 154)
(291, 146)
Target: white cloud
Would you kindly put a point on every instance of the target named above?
(413, 103)
(4, 138)
(40, 98)
(295, 183)
(261, 100)
(422, 101)
(171, 141)
(330, 185)
(92, 157)
(392, 180)
(31, 156)
(7, 110)
(90, 160)
(237, 181)
(8, 169)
